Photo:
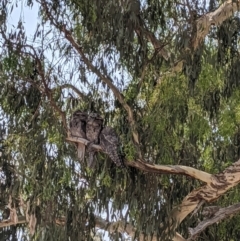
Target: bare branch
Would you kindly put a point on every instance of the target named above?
(225, 11)
(83, 141)
(220, 184)
(160, 169)
(7, 223)
(220, 215)
(48, 91)
(178, 237)
(203, 25)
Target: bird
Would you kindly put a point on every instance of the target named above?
(109, 141)
(93, 129)
(78, 129)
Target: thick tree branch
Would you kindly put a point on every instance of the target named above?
(62, 28)
(159, 169)
(172, 169)
(220, 215)
(203, 25)
(220, 184)
(225, 11)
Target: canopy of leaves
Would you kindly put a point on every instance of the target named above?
(189, 117)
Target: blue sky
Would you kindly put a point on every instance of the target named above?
(29, 17)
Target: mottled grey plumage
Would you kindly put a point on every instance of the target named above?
(110, 143)
(78, 129)
(134, 6)
(93, 129)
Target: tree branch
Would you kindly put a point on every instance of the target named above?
(112, 227)
(40, 69)
(158, 46)
(220, 184)
(7, 223)
(203, 25)
(225, 11)
(220, 215)
(75, 89)
(62, 28)
(159, 169)
(124, 227)
(48, 91)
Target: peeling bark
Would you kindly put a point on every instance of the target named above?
(220, 184)
(225, 11)
(216, 185)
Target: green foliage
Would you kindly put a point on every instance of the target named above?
(189, 118)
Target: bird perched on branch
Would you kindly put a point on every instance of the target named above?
(78, 129)
(110, 143)
(93, 128)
